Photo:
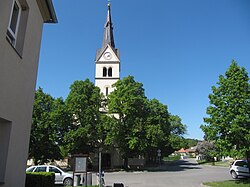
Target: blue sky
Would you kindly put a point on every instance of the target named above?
(176, 48)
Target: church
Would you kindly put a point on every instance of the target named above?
(107, 72)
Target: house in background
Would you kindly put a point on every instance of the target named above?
(21, 25)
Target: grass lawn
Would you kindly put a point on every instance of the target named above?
(231, 183)
(171, 158)
(218, 163)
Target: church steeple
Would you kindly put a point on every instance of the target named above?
(108, 36)
(107, 71)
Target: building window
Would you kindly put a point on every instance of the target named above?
(104, 72)
(107, 91)
(17, 25)
(14, 22)
(110, 72)
(5, 130)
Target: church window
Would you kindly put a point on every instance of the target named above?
(104, 72)
(107, 91)
(110, 72)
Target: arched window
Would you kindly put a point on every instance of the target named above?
(107, 91)
(104, 72)
(110, 72)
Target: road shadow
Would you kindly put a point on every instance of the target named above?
(175, 166)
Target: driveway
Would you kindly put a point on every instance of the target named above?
(182, 173)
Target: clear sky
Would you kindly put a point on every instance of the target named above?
(176, 48)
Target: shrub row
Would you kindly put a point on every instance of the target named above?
(40, 179)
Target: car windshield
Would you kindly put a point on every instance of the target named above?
(40, 169)
(30, 169)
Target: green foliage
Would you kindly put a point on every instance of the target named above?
(235, 183)
(206, 149)
(128, 102)
(214, 163)
(135, 124)
(172, 158)
(139, 125)
(40, 179)
(228, 123)
(177, 130)
(157, 128)
(191, 142)
(83, 104)
(44, 137)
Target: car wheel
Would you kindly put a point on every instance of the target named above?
(234, 175)
(68, 182)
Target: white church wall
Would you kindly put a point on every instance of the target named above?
(103, 84)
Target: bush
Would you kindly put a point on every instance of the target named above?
(40, 179)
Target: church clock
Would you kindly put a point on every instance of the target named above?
(107, 55)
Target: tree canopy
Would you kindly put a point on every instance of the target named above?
(44, 140)
(228, 121)
(127, 105)
(177, 131)
(83, 103)
(129, 121)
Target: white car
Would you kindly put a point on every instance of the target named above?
(61, 177)
(239, 168)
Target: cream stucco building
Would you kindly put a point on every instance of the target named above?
(21, 24)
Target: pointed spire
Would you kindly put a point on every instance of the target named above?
(108, 37)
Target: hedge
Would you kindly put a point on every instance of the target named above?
(40, 179)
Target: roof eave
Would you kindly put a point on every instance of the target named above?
(47, 10)
(53, 18)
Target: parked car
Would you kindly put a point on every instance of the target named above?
(61, 177)
(239, 168)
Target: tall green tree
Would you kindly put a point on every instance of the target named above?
(62, 120)
(228, 121)
(44, 144)
(177, 132)
(83, 104)
(207, 150)
(157, 129)
(127, 104)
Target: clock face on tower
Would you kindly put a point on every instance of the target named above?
(107, 55)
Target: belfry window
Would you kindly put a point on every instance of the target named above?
(104, 72)
(110, 72)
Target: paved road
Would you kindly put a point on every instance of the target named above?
(184, 173)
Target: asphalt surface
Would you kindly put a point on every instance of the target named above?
(182, 173)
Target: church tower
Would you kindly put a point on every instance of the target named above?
(107, 59)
